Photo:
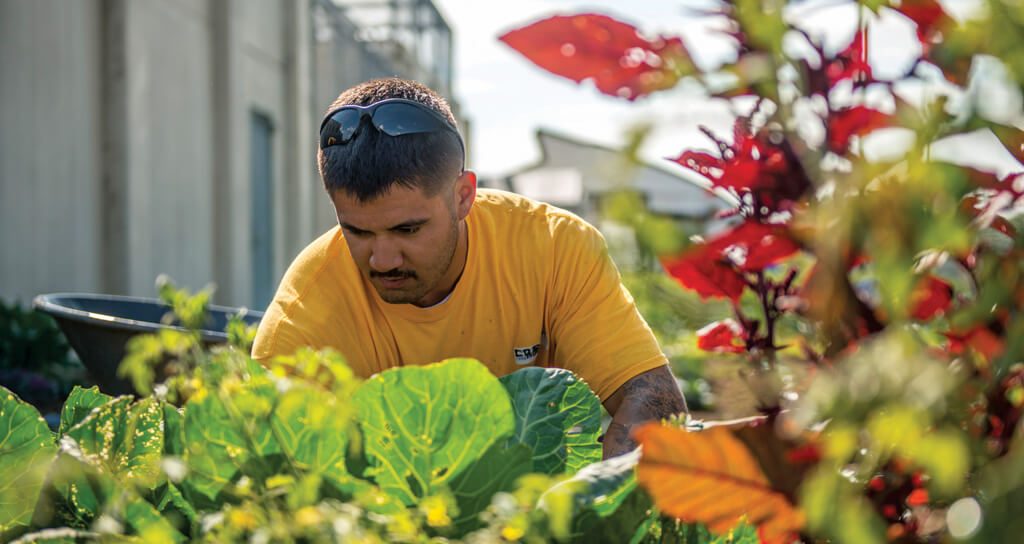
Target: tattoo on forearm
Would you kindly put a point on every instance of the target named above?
(617, 440)
(655, 397)
(646, 397)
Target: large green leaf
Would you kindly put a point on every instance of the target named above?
(228, 434)
(123, 440)
(312, 427)
(26, 451)
(424, 425)
(557, 416)
(79, 405)
(497, 470)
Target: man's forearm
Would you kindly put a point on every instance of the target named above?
(652, 395)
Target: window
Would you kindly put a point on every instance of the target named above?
(261, 162)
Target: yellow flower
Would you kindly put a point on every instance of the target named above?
(241, 519)
(512, 532)
(308, 516)
(436, 511)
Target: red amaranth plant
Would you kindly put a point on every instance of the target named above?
(890, 274)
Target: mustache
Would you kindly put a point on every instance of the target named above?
(395, 274)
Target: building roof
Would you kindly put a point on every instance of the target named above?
(570, 169)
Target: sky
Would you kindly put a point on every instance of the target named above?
(506, 98)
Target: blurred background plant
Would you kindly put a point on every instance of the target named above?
(35, 360)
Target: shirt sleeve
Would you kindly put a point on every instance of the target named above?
(596, 330)
(277, 335)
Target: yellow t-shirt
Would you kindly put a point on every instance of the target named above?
(538, 289)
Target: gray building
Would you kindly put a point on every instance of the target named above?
(140, 137)
(577, 175)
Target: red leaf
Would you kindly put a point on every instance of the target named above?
(754, 246)
(808, 454)
(726, 336)
(620, 61)
(917, 497)
(706, 273)
(850, 63)
(930, 298)
(930, 18)
(854, 121)
(980, 339)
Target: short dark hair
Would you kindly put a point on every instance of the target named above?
(372, 162)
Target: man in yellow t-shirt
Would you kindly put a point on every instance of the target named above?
(424, 267)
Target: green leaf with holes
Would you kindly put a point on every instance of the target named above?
(228, 435)
(123, 440)
(26, 451)
(79, 405)
(424, 425)
(78, 486)
(557, 416)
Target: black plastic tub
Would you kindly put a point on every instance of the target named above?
(98, 328)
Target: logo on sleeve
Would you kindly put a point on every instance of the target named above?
(525, 356)
(528, 355)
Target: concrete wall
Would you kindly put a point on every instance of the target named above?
(124, 142)
(167, 142)
(50, 147)
(126, 133)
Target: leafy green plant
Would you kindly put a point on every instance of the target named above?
(301, 450)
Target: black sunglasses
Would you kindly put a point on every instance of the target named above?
(394, 117)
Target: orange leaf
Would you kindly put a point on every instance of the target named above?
(710, 477)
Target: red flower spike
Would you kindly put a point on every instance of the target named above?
(751, 164)
(850, 63)
(917, 497)
(854, 121)
(613, 54)
(726, 336)
(876, 483)
(705, 273)
(931, 297)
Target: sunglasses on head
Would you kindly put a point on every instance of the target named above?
(394, 117)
